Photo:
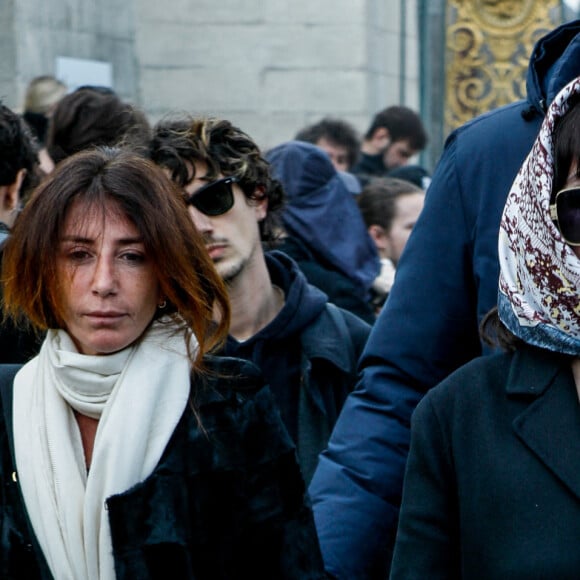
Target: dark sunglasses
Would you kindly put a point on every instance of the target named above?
(565, 211)
(214, 198)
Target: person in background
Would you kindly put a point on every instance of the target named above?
(491, 486)
(18, 167)
(390, 209)
(42, 95)
(95, 116)
(18, 175)
(125, 447)
(335, 136)
(325, 233)
(306, 348)
(446, 283)
(394, 136)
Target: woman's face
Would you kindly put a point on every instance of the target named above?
(109, 290)
(573, 181)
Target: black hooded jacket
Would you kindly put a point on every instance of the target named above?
(308, 355)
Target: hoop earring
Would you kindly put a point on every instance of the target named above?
(162, 305)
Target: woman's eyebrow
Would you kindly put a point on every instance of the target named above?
(76, 238)
(128, 241)
(80, 239)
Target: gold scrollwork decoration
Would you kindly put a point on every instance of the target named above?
(488, 44)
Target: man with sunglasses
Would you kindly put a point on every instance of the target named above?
(306, 348)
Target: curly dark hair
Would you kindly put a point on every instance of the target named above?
(180, 142)
(18, 150)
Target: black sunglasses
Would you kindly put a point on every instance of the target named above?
(565, 211)
(214, 198)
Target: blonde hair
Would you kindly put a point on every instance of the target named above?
(43, 93)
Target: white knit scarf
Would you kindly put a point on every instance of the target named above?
(138, 394)
(539, 282)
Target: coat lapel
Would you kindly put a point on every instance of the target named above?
(550, 425)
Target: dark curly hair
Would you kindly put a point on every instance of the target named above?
(18, 150)
(179, 143)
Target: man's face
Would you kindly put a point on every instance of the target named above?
(233, 238)
(338, 154)
(397, 154)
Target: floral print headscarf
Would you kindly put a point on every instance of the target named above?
(539, 284)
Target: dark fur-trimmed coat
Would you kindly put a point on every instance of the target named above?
(226, 501)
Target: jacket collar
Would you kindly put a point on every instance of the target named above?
(533, 370)
(326, 332)
(550, 425)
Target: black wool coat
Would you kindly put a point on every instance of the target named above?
(226, 501)
(492, 486)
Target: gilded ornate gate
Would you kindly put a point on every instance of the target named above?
(488, 45)
(474, 58)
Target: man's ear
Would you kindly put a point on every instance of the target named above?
(381, 138)
(381, 240)
(260, 203)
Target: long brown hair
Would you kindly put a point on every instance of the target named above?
(195, 293)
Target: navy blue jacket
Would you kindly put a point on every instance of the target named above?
(327, 342)
(321, 213)
(340, 289)
(446, 281)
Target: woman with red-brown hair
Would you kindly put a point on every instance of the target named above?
(131, 450)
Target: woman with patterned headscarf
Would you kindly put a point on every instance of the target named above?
(492, 487)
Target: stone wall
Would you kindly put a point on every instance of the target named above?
(36, 33)
(8, 50)
(271, 66)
